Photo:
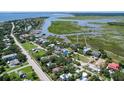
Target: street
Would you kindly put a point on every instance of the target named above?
(42, 76)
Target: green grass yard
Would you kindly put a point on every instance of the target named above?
(28, 70)
(14, 74)
(40, 53)
(12, 68)
(28, 46)
(81, 57)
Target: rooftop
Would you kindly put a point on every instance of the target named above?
(8, 56)
(113, 66)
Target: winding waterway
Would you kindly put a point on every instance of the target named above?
(58, 17)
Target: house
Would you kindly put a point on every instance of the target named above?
(36, 49)
(58, 43)
(56, 69)
(28, 28)
(8, 44)
(36, 32)
(77, 71)
(65, 77)
(51, 45)
(7, 40)
(94, 68)
(22, 75)
(49, 64)
(65, 52)
(57, 50)
(41, 40)
(14, 62)
(9, 57)
(85, 50)
(96, 54)
(84, 74)
(113, 66)
(84, 77)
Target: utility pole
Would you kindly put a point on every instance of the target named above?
(77, 38)
(85, 41)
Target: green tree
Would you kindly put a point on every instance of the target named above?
(2, 62)
(5, 77)
(104, 54)
(21, 57)
(2, 69)
(118, 76)
(105, 72)
(34, 77)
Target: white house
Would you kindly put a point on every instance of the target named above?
(9, 57)
(84, 76)
(86, 49)
(94, 68)
(65, 76)
(14, 62)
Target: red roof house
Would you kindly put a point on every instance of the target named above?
(113, 66)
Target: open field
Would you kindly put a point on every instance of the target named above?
(65, 27)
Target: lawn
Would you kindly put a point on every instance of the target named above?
(28, 46)
(11, 68)
(28, 71)
(14, 74)
(40, 53)
(81, 57)
(65, 27)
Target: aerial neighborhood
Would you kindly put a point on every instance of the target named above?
(30, 50)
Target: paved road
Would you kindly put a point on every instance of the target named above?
(42, 76)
